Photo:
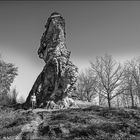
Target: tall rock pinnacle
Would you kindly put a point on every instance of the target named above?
(58, 76)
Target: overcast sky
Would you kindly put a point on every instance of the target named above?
(92, 28)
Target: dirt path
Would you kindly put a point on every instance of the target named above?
(31, 127)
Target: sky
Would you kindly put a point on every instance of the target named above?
(93, 28)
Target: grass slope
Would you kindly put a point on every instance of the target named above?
(91, 123)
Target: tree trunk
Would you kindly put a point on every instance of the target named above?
(139, 93)
(109, 103)
(118, 102)
(132, 100)
(99, 99)
(109, 100)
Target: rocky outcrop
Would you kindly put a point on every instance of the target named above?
(58, 77)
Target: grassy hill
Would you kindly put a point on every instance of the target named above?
(85, 123)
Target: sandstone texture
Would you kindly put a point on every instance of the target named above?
(58, 77)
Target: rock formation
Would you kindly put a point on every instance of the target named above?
(58, 77)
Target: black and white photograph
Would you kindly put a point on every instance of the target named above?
(70, 70)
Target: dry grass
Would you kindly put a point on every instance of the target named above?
(91, 123)
(94, 123)
(11, 121)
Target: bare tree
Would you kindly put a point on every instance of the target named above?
(109, 74)
(134, 66)
(129, 84)
(86, 86)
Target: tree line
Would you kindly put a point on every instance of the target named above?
(110, 83)
(106, 82)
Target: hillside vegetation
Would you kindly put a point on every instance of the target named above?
(90, 123)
